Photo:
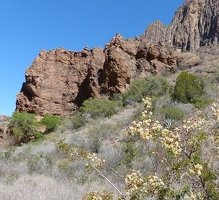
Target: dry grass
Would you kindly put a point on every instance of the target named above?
(40, 171)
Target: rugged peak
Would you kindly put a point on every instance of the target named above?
(155, 32)
(194, 24)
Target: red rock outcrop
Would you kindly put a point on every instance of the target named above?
(60, 80)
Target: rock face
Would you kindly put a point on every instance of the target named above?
(6, 139)
(195, 24)
(59, 80)
(187, 60)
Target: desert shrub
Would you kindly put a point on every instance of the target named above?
(187, 163)
(172, 113)
(100, 107)
(38, 136)
(100, 195)
(51, 122)
(202, 102)
(188, 88)
(24, 126)
(150, 86)
(7, 154)
(130, 152)
(215, 77)
(35, 164)
(96, 135)
(79, 121)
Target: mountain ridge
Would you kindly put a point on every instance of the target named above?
(194, 24)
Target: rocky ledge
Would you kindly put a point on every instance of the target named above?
(59, 80)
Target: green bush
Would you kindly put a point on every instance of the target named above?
(51, 122)
(100, 107)
(172, 113)
(215, 77)
(24, 126)
(78, 121)
(188, 88)
(38, 136)
(130, 152)
(151, 86)
(202, 102)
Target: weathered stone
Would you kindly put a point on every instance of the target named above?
(195, 24)
(59, 80)
(187, 60)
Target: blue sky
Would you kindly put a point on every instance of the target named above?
(28, 26)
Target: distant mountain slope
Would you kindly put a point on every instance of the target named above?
(194, 24)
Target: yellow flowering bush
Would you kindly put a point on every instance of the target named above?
(94, 161)
(170, 140)
(138, 186)
(103, 195)
(184, 172)
(183, 166)
(133, 181)
(196, 170)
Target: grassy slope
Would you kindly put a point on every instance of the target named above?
(40, 171)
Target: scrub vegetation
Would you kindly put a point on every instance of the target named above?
(158, 140)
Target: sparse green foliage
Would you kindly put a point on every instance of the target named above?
(150, 86)
(130, 153)
(38, 136)
(51, 122)
(100, 107)
(215, 77)
(202, 102)
(24, 126)
(79, 121)
(188, 88)
(172, 113)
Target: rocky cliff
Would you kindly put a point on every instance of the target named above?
(59, 80)
(195, 24)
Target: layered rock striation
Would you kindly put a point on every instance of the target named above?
(195, 24)
(59, 80)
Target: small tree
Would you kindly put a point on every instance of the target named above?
(150, 86)
(100, 107)
(51, 122)
(23, 125)
(188, 88)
